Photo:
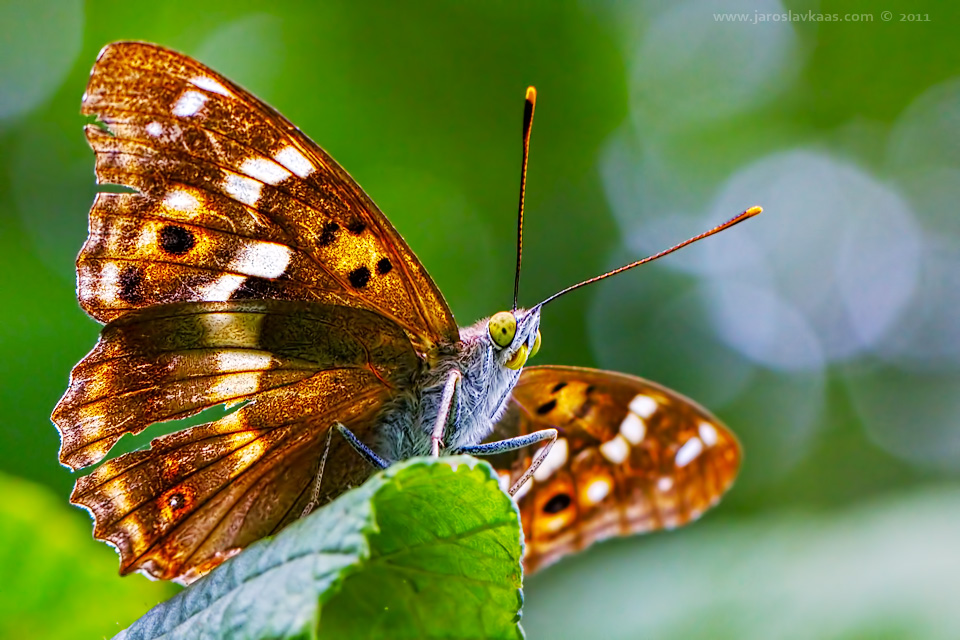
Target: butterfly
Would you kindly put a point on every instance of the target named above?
(244, 267)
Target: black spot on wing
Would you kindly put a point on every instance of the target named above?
(384, 266)
(558, 387)
(359, 277)
(328, 234)
(256, 289)
(356, 227)
(557, 503)
(547, 407)
(131, 285)
(176, 240)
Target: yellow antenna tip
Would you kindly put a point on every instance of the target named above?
(532, 94)
(752, 211)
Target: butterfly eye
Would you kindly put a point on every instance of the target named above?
(536, 345)
(502, 328)
(518, 359)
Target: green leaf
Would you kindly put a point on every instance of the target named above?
(429, 548)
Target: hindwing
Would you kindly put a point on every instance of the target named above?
(631, 456)
(182, 506)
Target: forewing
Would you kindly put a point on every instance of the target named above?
(631, 457)
(198, 495)
(232, 201)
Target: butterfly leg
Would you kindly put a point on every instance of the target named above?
(365, 452)
(450, 388)
(512, 444)
(315, 494)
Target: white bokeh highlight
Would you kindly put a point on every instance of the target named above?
(923, 158)
(688, 66)
(821, 276)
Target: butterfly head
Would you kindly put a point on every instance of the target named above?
(514, 336)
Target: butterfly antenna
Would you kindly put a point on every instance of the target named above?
(749, 213)
(528, 106)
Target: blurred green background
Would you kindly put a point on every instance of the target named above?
(826, 332)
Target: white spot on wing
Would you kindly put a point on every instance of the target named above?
(689, 451)
(264, 170)
(109, 282)
(665, 483)
(643, 405)
(633, 428)
(553, 524)
(243, 361)
(598, 490)
(222, 288)
(262, 260)
(155, 129)
(147, 238)
(708, 433)
(121, 498)
(616, 449)
(292, 159)
(189, 104)
(181, 200)
(555, 459)
(242, 188)
(251, 452)
(209, 84)
(235, 385)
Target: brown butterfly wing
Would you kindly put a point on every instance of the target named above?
(232, 202)
(246, 266)
(197, 495)
(631, 457)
